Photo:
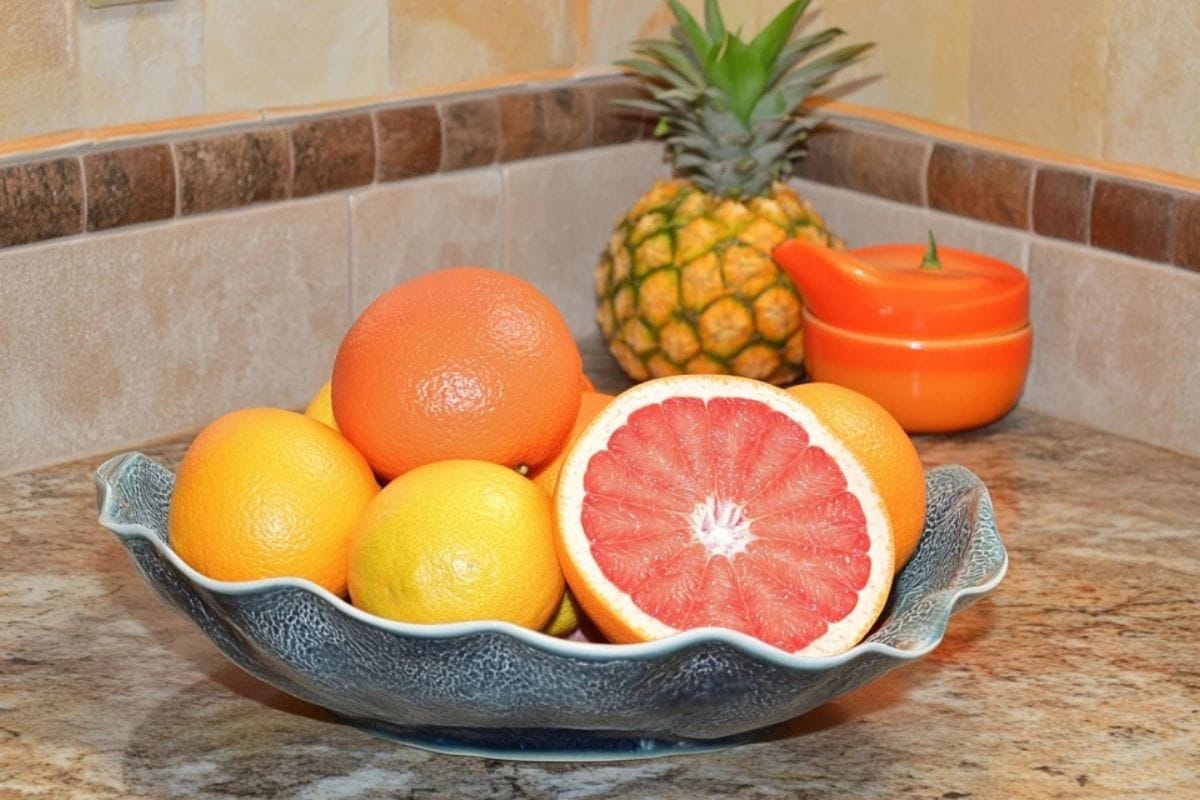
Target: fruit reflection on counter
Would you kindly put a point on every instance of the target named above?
(686, 283)
(939, 336)
(511, 492)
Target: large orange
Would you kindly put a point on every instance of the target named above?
(269, 493)
(884, 449)
(714, 501)
(463, 363)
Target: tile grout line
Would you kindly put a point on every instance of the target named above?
(83, 200)
(178, 180)
(926, 161)
(504, 215)
(349, 259)
(1034, 169)
(377, 167)
(1087, 211)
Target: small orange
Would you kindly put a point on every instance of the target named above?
(875, 437)
(590, 404)
(455, 541)
(320, 407)
(462, 363)
(269, 493)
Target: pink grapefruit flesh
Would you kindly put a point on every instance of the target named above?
(696, 501)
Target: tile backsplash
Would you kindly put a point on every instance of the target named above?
(152, 283)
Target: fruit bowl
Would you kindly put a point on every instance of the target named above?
(494, 689)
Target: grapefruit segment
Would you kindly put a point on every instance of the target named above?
(611, 520)
(699, 501)
(688, 423)
(631, 459)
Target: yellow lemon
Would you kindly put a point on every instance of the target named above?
(566, 619)
(320, 407)
(457, 540)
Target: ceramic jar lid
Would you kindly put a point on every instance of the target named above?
(897, 290)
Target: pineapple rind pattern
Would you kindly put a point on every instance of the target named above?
(706, 296)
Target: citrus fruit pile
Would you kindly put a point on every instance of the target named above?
(460, 466)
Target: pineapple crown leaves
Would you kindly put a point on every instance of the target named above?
(727, 107)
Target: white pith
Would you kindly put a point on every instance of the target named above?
(721, 526)
(842, 634)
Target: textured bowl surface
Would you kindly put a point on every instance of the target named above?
(490, 688)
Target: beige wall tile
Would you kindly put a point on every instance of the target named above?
(921, 59)
(405, 229)
(1152, 105)
(118, 338)
(1116, 344)
(863, 220)
(440, 42)
(39, 80)
(292, 52)
(1040, 82)
(141, 62)
(588, 192)
(613, 25)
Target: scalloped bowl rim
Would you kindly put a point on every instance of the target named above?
(592, 651)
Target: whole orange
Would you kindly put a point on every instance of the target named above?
(462, 363)
(590, 404)
(269, 493)
(885, 450)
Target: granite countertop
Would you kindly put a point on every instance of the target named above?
(1077, 677)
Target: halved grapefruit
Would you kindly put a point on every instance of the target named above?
(697, 500)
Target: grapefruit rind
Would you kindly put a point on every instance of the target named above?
(615, 611)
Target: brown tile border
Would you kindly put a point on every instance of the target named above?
(233, 170)
(129, 181)
(409, 142)
(543, 122)
(1145, 220)
(867, 161)
(470, 132)
(1061, 199)
(332, 153)
(1185, 233)
(979, 184)
(129, 186)
(1132, 219)
(614, 124)
(40, 200)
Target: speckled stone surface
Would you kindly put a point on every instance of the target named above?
(1075, 678)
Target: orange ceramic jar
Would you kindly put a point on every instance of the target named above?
(940, 338)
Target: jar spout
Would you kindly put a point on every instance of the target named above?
(825, 277)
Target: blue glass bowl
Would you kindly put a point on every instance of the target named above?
(495, 689)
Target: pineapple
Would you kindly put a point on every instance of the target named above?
(687, 283)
